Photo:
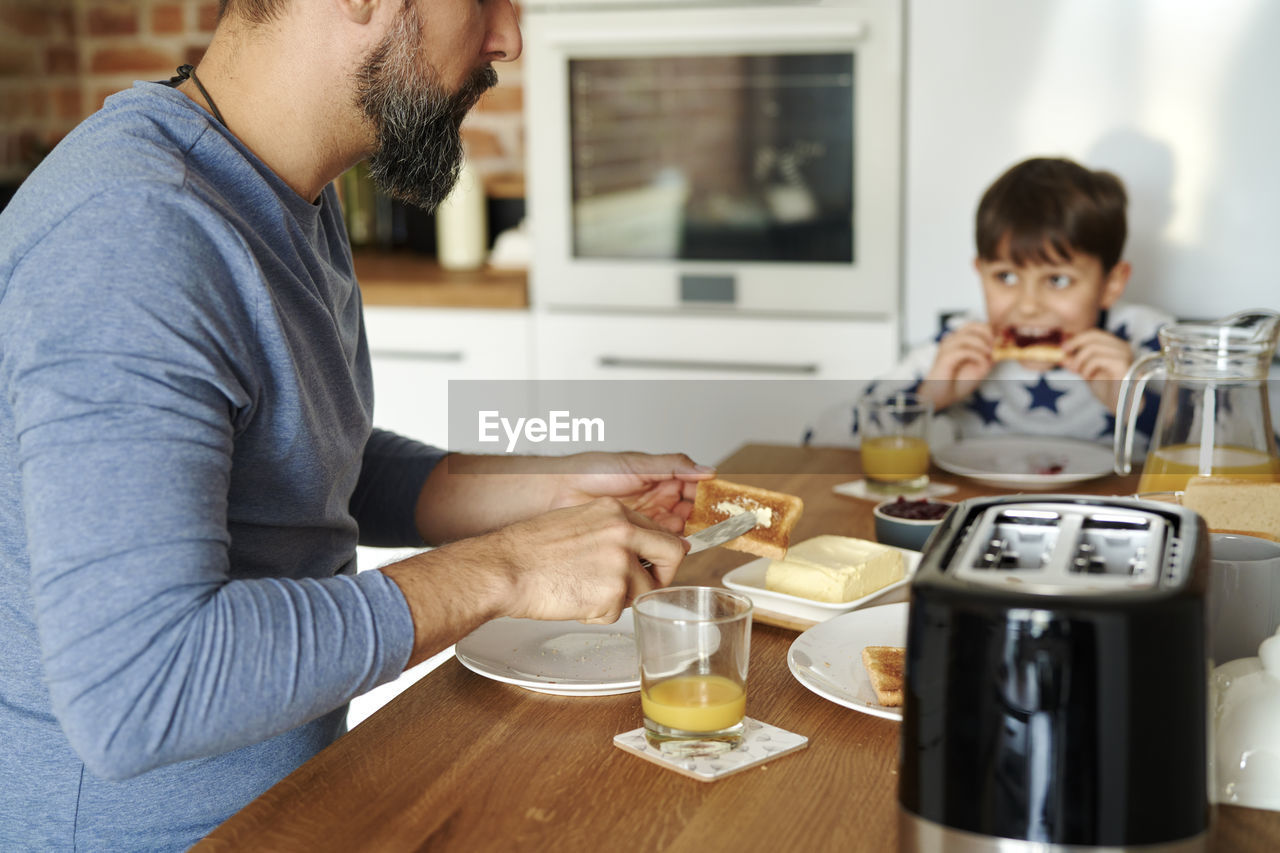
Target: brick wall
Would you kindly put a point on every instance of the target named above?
(39, 81)
(59, 59)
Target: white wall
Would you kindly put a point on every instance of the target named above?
(1181, 98)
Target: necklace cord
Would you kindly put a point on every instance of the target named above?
(185, 71)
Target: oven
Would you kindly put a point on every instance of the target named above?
(738, 158)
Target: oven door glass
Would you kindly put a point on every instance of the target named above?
(714, 158)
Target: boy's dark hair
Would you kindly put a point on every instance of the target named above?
(1053, 206)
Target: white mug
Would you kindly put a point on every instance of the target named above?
(1244, 595)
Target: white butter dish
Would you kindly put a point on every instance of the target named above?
(750, 580)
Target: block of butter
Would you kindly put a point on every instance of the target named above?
(835, 569)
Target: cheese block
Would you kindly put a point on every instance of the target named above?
(835, 569)
(1246, 505)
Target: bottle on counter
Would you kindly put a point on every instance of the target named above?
(462, 229)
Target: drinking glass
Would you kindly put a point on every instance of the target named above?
(895, 441)
(693, 643)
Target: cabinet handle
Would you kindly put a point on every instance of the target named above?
(720, 366)
(419, 355)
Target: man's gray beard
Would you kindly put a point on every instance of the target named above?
(419, 145)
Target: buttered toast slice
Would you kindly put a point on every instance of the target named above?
(776, 514)
(886, 668)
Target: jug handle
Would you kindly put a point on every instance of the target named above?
(1129, 404)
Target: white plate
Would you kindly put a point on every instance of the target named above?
(749, 579)
(1017, 462)
(563, 658)
(827, 658)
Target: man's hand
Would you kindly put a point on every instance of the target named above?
(661, 488)
(469, 495)
(577, 562)
(543, 538)
(1102, 360)
(583, 562)
(963, 361)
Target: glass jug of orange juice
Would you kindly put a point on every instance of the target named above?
(1214, 416)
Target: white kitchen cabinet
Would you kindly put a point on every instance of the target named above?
(585, 345)
(699, 384)
(416, 352)
(706, 384)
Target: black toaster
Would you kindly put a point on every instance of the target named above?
(1057, 678)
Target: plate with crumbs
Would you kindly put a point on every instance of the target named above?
(562, 658)
(749, 579)
(1026, 462)
(827, 659)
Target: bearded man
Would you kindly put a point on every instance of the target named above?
(187, 460)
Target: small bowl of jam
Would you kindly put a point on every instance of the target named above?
(907, 522)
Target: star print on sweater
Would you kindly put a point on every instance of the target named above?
(1108, 427)
(984, 408)
(1043, 396)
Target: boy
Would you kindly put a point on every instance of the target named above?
(1048, 358)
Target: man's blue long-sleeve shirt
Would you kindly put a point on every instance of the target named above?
(185, 420)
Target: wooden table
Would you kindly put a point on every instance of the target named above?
(460, 762)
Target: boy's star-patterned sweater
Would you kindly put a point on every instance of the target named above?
(1012, 400)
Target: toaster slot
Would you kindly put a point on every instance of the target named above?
(1114, 545)
(1020, 540)
(1059, 548)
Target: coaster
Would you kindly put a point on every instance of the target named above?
(760, 743)
(859, 489)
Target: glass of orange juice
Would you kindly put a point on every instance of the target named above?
(693, 643)
(895, 441)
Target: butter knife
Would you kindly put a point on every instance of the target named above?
(721, 532)
(717, 534)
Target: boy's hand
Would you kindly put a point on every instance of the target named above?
(1101, 359)
(963, 361)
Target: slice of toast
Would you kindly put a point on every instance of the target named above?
(885, 666)
(1010, 345)
(1039, 352)
(777, 512)
(1244, 505)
